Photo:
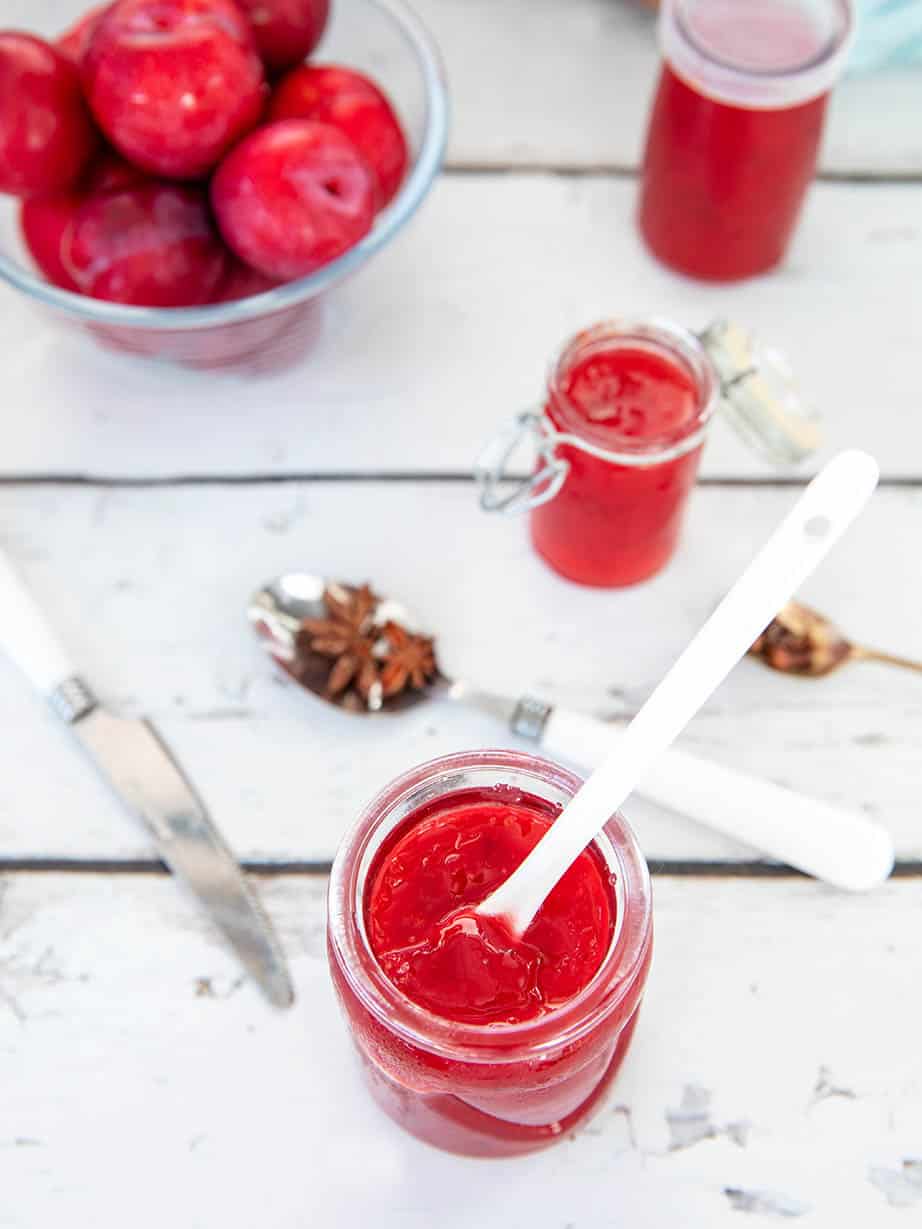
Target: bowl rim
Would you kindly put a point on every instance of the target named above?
(389, 221)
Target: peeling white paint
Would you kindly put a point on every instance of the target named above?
(692, 1122)
(900, 1187)
(766, 1203)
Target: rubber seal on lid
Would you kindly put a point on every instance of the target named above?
(759, 396)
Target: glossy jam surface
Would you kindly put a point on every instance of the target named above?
(469, 969)
(614, 524)
(724, 181)
(631, 394)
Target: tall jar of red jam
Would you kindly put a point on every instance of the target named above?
(487, 1044)
(735, 128)
(619, 436)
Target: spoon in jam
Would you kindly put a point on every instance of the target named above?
(366, 655)
(803, 539)
(801, 641)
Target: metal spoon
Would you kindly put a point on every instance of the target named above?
(278, 611)
(802, 641)
(743, 807)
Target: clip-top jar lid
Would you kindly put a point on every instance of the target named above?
(751, 385)
(759, 397)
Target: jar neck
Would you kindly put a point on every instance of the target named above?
(758, 54)
(615, 987)
(677, 346)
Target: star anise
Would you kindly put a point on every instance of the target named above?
(348, 636)
(409, 660)
(349, 612)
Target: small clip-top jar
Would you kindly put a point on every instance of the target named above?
(736, 127)
(619, 439)
(638, 399)
(503, 1048)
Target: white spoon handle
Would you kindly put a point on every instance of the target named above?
(819, 518)
(832, 843)
(26, 635)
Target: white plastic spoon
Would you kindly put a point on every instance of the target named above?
(802, 540)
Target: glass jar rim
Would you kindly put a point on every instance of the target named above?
(749, 85)
(618, 977)
(682, 345)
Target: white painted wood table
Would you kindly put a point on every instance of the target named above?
(777, 1070)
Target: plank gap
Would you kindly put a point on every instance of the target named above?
(678, 868)
(113, 482)
(148, 866)
(620, 170)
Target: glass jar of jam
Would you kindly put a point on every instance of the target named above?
(620, 435)
(500, 1046)
(735, 128)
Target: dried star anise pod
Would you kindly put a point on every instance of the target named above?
(348, 636)
(409, 660)
(350, 612)
(799, 641)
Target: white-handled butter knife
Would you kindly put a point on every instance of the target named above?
(145, 776)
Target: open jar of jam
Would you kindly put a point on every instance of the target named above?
(619, 438)
(735, 128)
(499, 1047)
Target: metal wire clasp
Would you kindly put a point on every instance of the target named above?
(552, 471)
(490, 469)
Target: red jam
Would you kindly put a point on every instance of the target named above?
(472, 1039)
(615, 524)
(722, 185)
(724, 177)
(470, 969)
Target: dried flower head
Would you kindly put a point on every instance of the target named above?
(370, 663)
(409, 660)
(347, 635)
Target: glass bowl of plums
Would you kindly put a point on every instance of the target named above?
(184, 179)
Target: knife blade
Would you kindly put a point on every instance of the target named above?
(141, 770)
(139, 767)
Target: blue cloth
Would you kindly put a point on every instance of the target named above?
(889, 34)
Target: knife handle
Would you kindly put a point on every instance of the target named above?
(26, 636)
(833, 843)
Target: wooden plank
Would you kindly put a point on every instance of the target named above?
(436, 345)
(569, 85)
(148, 589)
(759, 1066)
(600, 61)
(544, 83)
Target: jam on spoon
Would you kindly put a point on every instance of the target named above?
(802, 641)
